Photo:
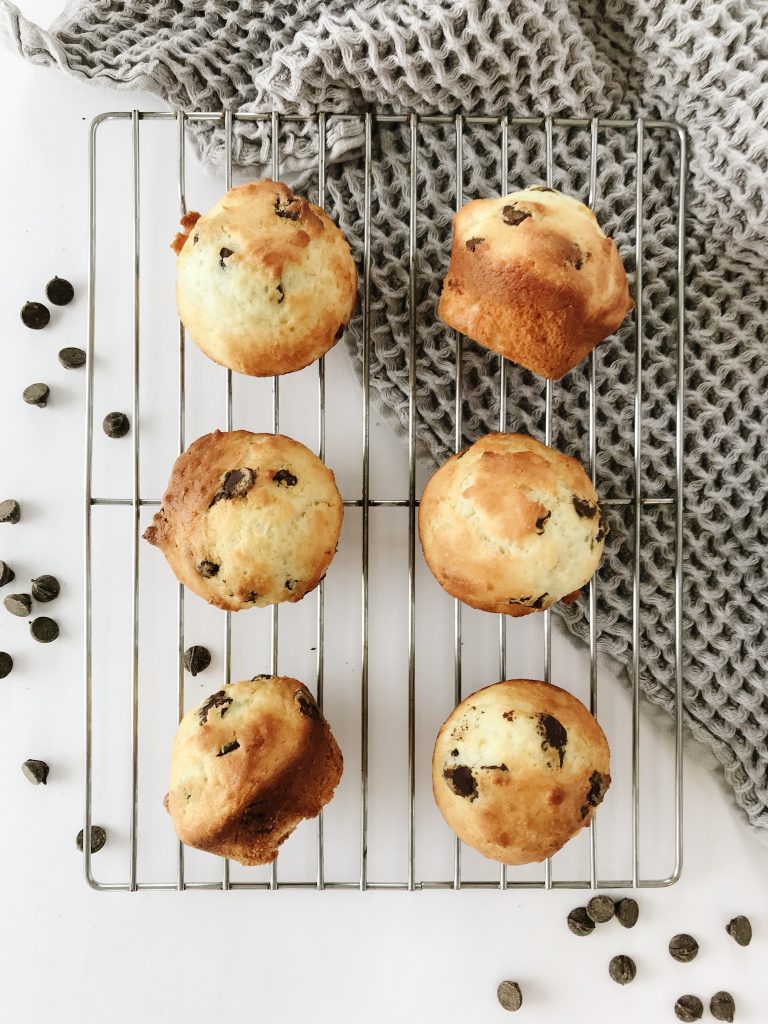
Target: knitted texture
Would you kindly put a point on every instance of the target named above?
(702, 64)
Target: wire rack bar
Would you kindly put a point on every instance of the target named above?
(458, 443)
(320, 665)
(182, 178)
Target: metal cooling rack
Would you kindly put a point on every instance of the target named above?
(368, 123)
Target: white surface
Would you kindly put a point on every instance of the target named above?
(275, 956)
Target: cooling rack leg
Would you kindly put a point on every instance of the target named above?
(412, 503)
(457, 444)
(181, 168)
(504, 180)
(321, 145)
(225, 884)
(548, 441)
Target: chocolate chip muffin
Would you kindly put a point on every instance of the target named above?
(266, 281)
(510, 525)
(247, 765)
(518, 769)
(534, 278)
(248, 519)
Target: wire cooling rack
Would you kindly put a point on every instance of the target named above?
(125, 773)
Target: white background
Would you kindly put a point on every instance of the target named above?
(287, 956)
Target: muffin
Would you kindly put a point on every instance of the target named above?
(247, 765)
(534, 278)
(510, 525)
(248, 519)
(266, 281)
(518, 769)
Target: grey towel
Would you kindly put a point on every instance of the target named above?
(704, 65)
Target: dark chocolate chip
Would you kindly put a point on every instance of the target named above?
(509, 995)
(284, 476)
(740, 929)
(538, 604)
(541, 521)
(290, 208)
(224, 254)
(98, 838)
(207, 569)
(683, 948)
(622, 969)
(236, 484)
(472, 243)
(289, 584)
(262, 675)
(689, 1009)
(554, 735)
(196, 659)
(595, 793)
(584, 508)
(59, 291)
(495, 767)
(461, 780)
(18, 604)
(7, 575)
(36, 772)
(512, 216)
(281, 291)
(44, 630)
(455, 752)
(72, 358)
(116, 424)
(6, 664)
(575, 257)
(10, 511)
(307, 705)
(228, 748)
(37, 394)
(580, 923)
(627, 912)
(45, 589)
(216, 700)
(251, 598)
(540, 188)
(35, 315)
(722, 1006)
(603, 529)
(600, 909)
(509, 715)
(195, 239)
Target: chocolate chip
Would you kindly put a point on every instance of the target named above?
(509, 715)
(554, 735)
(584, 508)
(538, 604)
(575, 257)
(512, 216)
(261, 675)
(45, 589)
(540, 188)
(600, 909)
(37, 394)
(598, 784)
(281, 291)
(196, 659)
(216, 700)
(236, 484)
(455, 752)
(580, 923)
(98, 838)
(290, 208)
(307, 705)
(627, 912)
(207, 569)
(59, 291)
(72, 358)
(461, 780)
(7, 575)
(541, 521)
(224, 254)
(622, 969)
(35, 315)
(472, 243)
(683, 948)
(689, 1009)
(740, 929)
(18, 604)
(722, 1006)
(10, 511)
(116, 424)
(603, 529)
(195, 239)
(251, 598)
(289, 584)
(228, 748)
(284, 476)
(44, 630)
(509, 995)
(6, 664)
(495, 767)
(36, 772)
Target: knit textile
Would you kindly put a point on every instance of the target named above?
(701, 64)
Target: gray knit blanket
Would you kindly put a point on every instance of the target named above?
(702, 64)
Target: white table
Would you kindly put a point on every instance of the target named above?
(289, 956)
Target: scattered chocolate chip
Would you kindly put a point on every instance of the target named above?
(228, 748)
(554, 735)
(59, 291)
(455, 752)
(207, 569)
(290, 208)
(262, 675)
(540, 188)
(6, 664)
(236, 484)
(7, 575)
(683, 948)
(538, 604)
(603, 529)
(740, 929)
(195, 239)
(541, 521)
(284, 476)
(72, 358)
(196, 659)
(18, 604)
(598, 784)
(461, 780)
(307, 704)
(579, 922)
(281, 291)
(44, 630)
(472, 243)
(10, 511)
(98, 838)
(216, 700)
(251, 598)
(224, 254)
(512, 216)
(575, 257)
(601, 909)
(289, 584)
(509, 715)
(689, 1008)
(627, 912)
(35, 315)
(37, 394)
(36, 772)
(116, 424)
(722, 1006)
(509, 995)
(622, 969)
(45, 589)
(584, 508)
(494, 767)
